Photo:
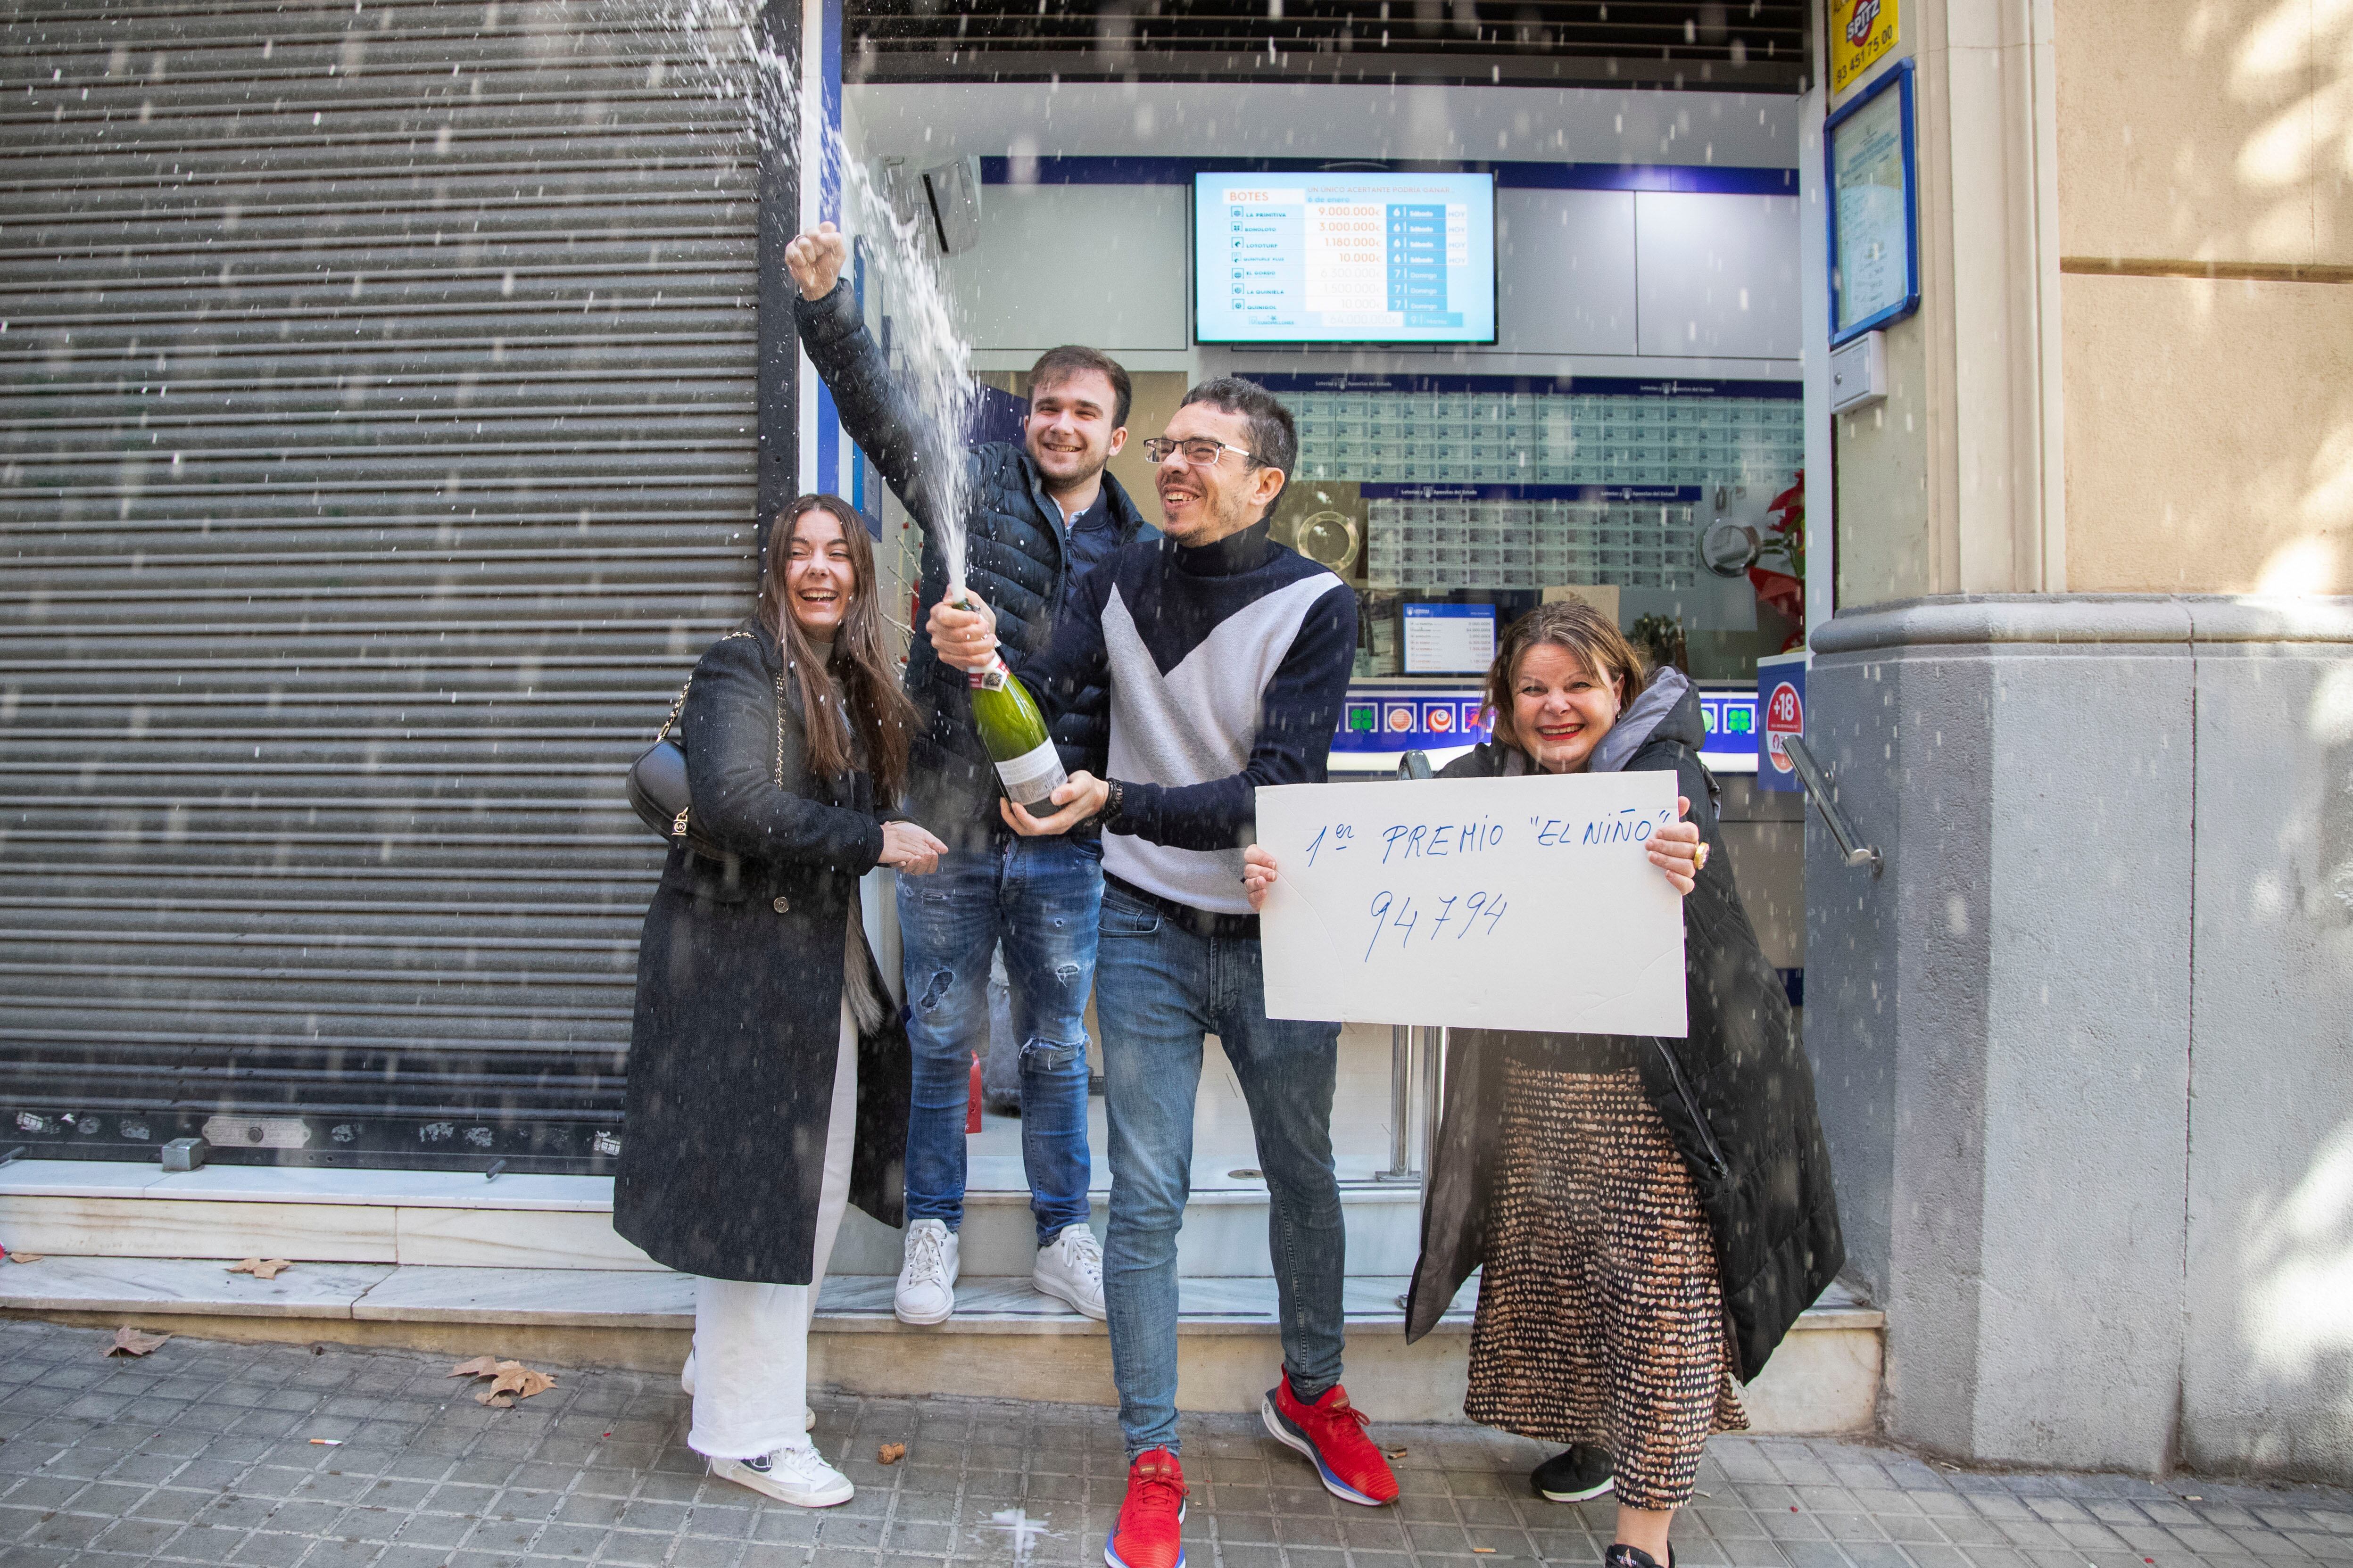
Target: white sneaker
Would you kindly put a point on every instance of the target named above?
(797, 1476)
(1070, 1269)
(926, 1292)
(686, 1382)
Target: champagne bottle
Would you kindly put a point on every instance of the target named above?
(1014, 730)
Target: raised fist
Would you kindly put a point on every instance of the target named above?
(815, 260)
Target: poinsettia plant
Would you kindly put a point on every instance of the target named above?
(1782, 584)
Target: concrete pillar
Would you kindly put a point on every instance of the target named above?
(2081, 1047)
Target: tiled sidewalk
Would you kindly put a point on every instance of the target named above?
(202, 1453)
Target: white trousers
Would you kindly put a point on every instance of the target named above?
(749, 1368)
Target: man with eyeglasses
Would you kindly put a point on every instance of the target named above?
(1228, 656)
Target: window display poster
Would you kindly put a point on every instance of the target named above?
(1871, 265)
(1862, 32)
(1449, 639)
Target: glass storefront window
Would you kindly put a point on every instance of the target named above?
(1494, 489)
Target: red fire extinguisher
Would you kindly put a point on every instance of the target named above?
(972, 1104)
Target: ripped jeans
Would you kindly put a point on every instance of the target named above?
(1042, 898)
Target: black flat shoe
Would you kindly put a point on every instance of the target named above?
(1621, 1555)
(1577, 1476)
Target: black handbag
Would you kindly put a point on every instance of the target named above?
(659, 792)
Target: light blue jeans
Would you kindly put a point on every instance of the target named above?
(1160, 988)
(1040, 898)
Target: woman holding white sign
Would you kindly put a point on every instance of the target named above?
(1652, 1214)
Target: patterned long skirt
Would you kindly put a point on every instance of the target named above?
(1601, 1313)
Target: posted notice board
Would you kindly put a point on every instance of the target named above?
(1874, 208)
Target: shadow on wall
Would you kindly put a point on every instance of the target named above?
(2330, 726)
(2299, 1322)
(2293, 1233)
(2207, 129)
(2295, 63)
(2210, 444)
(2294, 66)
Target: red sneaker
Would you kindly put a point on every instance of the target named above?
(1331, 1433)
(1150, 1533)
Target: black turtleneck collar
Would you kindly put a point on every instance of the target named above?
(1230, 556)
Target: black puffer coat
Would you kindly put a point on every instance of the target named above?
(1737, 1096)
(740, 971)
(1019, 559)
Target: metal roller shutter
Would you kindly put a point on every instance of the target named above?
(1755, 45)
(376, 454)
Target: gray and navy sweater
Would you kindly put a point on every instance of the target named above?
(1228, 665)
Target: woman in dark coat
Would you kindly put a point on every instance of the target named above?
(768, 1074)
(1651, 1215)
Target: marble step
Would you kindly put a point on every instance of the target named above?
(621, 1299)
(456, 1219)
(1005, 1341)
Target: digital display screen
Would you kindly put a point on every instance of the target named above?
(1343, 258)
(1449, 639)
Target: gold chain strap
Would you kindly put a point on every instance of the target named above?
(676, 706)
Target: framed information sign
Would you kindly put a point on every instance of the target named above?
(1873, 215)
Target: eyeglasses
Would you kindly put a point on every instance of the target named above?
(1199, 450)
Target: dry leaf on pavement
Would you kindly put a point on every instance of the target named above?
(510, 1381)
(261, 1267)
(130, 1341)
(521, 1381)
(891, 1453)
(27, 1257)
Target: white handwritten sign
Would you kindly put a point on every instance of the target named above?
(1521, 903)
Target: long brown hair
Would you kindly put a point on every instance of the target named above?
(1584, 631)
(884, 717)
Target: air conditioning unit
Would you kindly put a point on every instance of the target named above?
(954, 190)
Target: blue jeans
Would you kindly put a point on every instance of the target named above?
(1040, 897)
(1160, 988)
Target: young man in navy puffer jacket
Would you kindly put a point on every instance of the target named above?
(1040, 514)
